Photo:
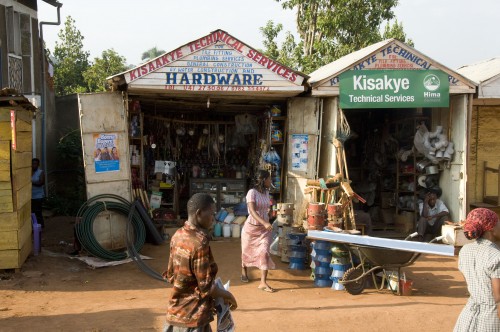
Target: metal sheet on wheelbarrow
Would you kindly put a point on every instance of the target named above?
(421, 247)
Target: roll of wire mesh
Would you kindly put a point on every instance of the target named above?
(85, 223)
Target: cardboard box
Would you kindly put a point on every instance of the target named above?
(387, 215)
(454, 235)
(405, 222)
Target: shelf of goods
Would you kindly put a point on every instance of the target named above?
(407, 174)
(278, 143)
(226, 192)
(136, 144)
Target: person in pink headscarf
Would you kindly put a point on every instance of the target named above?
(479, 262)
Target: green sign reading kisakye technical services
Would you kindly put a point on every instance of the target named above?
(394, 89)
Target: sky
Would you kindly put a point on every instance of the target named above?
(451, 32)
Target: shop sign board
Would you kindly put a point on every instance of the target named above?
(393, 89)
(395, 57)
(217, 62)
(106, 155)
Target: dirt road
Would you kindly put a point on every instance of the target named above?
(55, 293)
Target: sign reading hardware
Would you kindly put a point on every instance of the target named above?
(394, 89)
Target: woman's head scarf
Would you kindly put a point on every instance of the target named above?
(478, 221)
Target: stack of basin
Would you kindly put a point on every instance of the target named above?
(339, 263)
(321, 256)
(297, 251)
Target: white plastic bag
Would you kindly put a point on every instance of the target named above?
(225, 322)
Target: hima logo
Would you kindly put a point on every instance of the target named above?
(431, 82)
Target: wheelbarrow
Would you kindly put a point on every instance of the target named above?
(376, 260)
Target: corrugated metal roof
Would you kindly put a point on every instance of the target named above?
(345, 62)
(481, 71)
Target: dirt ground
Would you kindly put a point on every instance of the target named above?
(55, 293)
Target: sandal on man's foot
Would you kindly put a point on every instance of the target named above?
(244, 279)
(267, 289)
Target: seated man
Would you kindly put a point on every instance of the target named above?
(433, 213)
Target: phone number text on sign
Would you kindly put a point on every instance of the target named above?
(216, 88)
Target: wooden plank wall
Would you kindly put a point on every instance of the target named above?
(15, 189)
(485, 146)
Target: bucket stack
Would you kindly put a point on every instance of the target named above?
(339, 264)
(316, 216)
(285, 214)
(335, 215)
(282, 241)
(321, 256)
(297, 250)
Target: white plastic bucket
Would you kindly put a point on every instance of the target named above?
(226, 230)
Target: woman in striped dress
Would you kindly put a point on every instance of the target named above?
(256, 235)
(479, 262)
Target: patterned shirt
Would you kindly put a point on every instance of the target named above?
(479, 262)
(191, 270)
(262, 204)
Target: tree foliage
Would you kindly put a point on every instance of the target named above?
(396, 31)
(70, 60)
(330, 29)
(151, 54)
(108, 64)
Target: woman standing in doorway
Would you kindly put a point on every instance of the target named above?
(479, 262)
(37, 191)
(256, 235)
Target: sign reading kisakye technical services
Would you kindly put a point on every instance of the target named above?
(394, 89)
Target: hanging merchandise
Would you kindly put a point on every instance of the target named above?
(246, 124)
(272, 157)
(276, 133)
(276, 110)
(434, 145)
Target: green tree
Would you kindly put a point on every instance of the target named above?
(70, 60)
(396, 31)
(289, 53)
(151, 54)
(330, 29)
(270, 32)
(108, 64)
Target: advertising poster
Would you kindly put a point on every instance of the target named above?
(300, 149)
(106, 154)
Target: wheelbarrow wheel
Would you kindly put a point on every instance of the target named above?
(354, 287)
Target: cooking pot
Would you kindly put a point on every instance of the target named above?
(429, 170)
(421, 181)
(422, 164)
(170, 168)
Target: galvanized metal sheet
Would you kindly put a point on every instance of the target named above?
(421, 247)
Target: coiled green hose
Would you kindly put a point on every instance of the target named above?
(85, 225)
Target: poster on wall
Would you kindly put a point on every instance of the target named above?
(106, 154)
(300, 149)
